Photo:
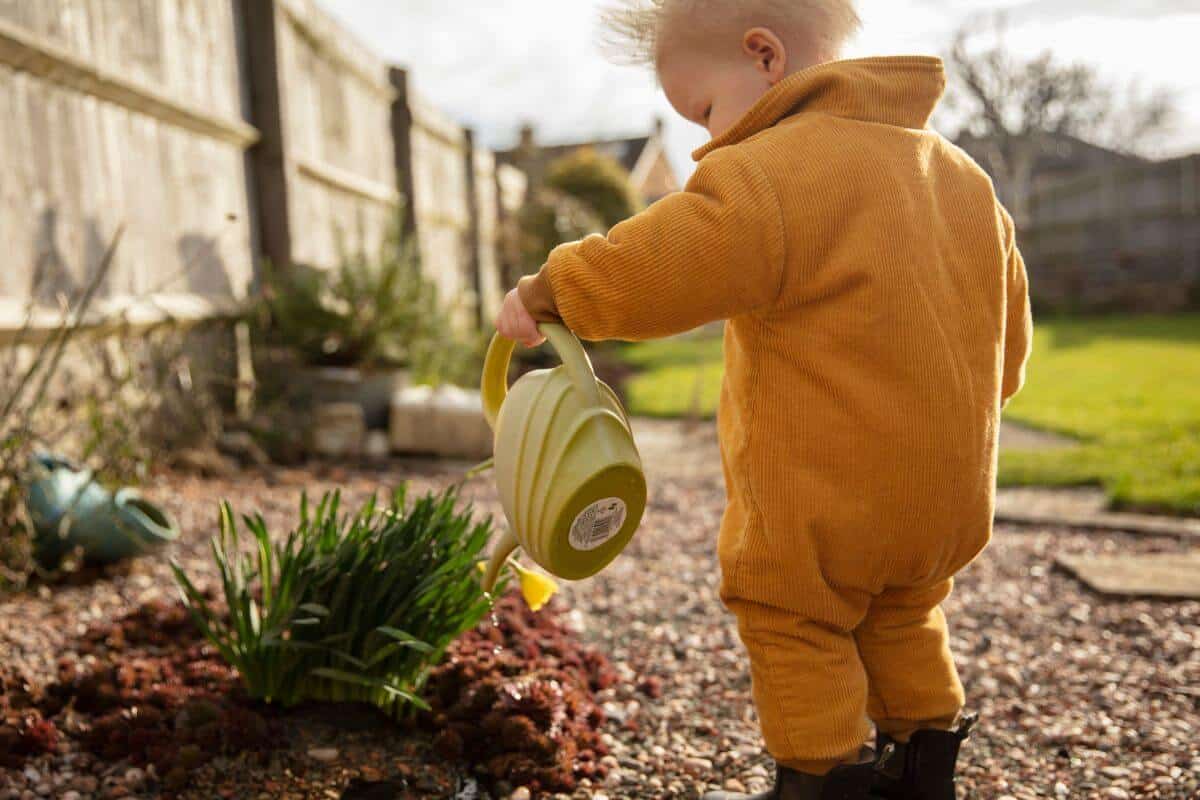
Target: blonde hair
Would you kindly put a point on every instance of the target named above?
(635, 29)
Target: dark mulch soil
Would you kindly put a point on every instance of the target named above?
(24, 732)
(148, 689)
(516, 698)
(511, 705)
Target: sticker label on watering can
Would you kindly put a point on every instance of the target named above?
(598, 523)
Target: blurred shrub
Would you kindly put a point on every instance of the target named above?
(549, 218)
(369, 311)
(458, 360)
(597, 181)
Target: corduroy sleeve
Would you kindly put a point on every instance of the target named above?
(1018, 329)
(713, 251)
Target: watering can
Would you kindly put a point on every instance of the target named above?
(70, 509)
(567, 469)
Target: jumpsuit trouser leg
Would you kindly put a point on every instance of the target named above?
(817, 684)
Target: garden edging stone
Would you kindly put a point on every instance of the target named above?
(1115, 521)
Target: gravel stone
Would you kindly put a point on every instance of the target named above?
(326, 755)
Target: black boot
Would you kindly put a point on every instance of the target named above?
(922, 768)
(847, 782)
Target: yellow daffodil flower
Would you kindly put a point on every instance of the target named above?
(536, 588)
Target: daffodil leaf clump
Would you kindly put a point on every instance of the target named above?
(348, 607)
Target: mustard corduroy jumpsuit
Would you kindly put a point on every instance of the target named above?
(877, 319)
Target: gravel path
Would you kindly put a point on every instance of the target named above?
(1081, 696)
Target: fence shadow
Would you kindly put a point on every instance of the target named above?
(204, 272)
(1074, 332)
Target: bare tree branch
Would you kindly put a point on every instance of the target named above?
(1014, 107)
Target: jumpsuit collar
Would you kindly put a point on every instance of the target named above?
(895, 90)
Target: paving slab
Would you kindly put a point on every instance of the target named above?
(1085, 509)
(1014, 436)
(1175, 575)
(446, 422)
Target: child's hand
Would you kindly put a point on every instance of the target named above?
(516, 323)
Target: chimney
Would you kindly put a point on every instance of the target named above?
(528, 137)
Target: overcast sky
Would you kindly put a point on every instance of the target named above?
(493, 64)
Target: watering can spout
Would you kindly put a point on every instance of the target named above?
(504, 548)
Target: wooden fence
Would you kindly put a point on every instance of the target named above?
(1123, 238)
(436, 162)
(219, 132)
(336, 97)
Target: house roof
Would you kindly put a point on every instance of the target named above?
(1061, 153)
(627, 152)
(643, 157)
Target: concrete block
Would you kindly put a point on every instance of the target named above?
(376, 446)
(338, 430)
(447, 422)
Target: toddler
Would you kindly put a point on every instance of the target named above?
(877, 319)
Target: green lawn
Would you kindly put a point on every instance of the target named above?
(1127, 387)
(678, 377)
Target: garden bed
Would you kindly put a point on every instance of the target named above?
(513, 704)
(116, 694)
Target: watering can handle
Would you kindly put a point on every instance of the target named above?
(494, 387)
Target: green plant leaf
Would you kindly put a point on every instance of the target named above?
(406, 639)
(315, 609)
(372, 683)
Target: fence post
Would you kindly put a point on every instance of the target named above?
(402, 125)
(268, 158)
(1190, 183)
(1190, 208)
(474, 259)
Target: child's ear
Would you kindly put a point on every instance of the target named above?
(768, 52)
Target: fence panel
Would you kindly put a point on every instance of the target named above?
(122, 113)
(488, 222)
(1127, 238)
(337, 106)
(442, 206)
(512, 187)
